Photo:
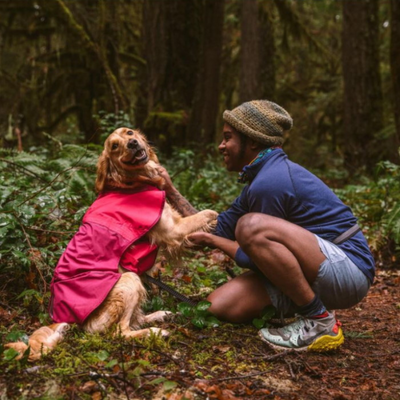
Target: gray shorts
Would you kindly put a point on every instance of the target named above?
(339, 284)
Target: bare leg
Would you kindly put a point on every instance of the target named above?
(288, 255)
(241, 299)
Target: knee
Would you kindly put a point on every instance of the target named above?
(250, 228)
(247, 226)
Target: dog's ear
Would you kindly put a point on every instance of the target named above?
(103, 165)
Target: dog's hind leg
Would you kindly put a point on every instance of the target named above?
(42, 341)
(122, 307)
(122, 303)
(156, 316)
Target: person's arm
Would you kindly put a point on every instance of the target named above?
(181, 204)
(229, 247)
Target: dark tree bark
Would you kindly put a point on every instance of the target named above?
(267, 51)
(362, 114)
(154, 39)
(395, 69)
(250, 44)
(204, 113)
(257, 51)
(171, 40)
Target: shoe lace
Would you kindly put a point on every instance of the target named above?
(298, 325)
(308, 324)
(302, 323)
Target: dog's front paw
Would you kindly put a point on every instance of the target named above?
(211, 215)
(159, 332)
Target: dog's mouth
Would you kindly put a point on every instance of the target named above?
(140, 156)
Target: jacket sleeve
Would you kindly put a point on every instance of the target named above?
(227, 224)
(228, 219)
(243, 260)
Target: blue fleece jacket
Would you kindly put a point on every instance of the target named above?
(284, 189)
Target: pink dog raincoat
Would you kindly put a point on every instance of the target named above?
(88, 269)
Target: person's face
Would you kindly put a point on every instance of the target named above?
(231, 147)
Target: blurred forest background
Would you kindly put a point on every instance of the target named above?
(73, 70)
(172, 67)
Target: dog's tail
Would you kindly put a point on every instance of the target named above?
(42, 341)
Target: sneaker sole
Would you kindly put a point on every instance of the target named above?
(321, 345)
(327, 343)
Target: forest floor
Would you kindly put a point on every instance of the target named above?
(225, 362)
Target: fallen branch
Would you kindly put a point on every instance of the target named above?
(274, 356)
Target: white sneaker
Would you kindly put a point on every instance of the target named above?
(312, 334)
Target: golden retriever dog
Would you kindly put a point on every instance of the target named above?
(96, 283)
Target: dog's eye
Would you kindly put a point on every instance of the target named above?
(114, 146)
(130, 133)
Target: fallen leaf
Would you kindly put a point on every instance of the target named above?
(89, 386)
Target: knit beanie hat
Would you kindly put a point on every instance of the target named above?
(261, 120)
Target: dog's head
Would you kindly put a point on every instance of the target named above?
(127, 161)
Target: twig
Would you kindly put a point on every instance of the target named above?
(32, 252)
(276, 356)
(45, 187)
(292, 374)
(162, 353)
(154, 373)
(230, 378)
(236, 333)
(53, 180)
(22, 167)
(96, 374)
(185, 344)
(49, 231)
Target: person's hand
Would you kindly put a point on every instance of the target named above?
(201, 239)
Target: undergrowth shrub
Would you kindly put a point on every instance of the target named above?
(42, 200)
(376, 204)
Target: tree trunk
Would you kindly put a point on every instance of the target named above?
(267, 51)
(249, 86)
(171, 37)
(257, 52)
(395, 69)
(152, 76)
(201, 128)
(362, 116)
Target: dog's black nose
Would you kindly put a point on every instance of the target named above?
(132, 144)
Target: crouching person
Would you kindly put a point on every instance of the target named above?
(301, 246)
